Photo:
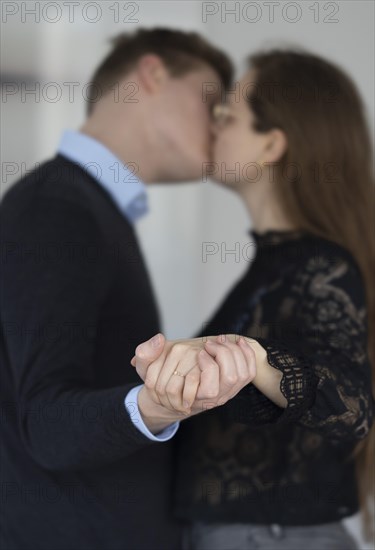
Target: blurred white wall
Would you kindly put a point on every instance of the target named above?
(67, 43)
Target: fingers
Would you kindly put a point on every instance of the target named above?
(217, 372)
(172, 393)
(182, 391)
(243, 354)
(161, 378)
(201, 382)
(233, 361)
(210, 379)
(250, 357)
(192, 381)
(236, 363)
(227, 362)
(169, 386)
(147, 352)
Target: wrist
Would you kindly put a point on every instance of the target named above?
(155, 416)
(260, 353)
(268, 378)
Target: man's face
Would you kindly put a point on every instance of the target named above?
(185, 122)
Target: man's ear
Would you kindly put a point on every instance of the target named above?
(277, 145)
(152, 72)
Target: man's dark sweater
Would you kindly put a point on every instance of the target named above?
(75, 301)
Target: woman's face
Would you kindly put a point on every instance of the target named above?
(237, 147)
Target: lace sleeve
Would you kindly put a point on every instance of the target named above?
(326, 372)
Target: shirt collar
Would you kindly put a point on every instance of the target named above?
(127, 191)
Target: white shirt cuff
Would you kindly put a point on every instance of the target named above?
(131, 405)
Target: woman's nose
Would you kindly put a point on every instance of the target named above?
(214, 128)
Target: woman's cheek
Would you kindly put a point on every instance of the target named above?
(220, 152)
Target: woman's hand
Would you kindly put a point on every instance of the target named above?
(192, 375)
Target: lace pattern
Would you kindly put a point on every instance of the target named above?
(307, 310)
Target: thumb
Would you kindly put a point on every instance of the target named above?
(148, 351)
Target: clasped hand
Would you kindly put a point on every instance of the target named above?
(190, 376)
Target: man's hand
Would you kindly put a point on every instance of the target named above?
(190, 376)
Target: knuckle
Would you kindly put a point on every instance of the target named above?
(173, 391)
(224, 351)
(178, 348)
(231, 379)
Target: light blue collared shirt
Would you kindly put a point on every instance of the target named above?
(126, 189)
(129, 194)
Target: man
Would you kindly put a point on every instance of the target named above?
(85, 465)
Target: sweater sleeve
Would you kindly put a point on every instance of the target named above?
(55, 278)
(322, 356)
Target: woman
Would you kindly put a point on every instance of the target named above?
(257, 472)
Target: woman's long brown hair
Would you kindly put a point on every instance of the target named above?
(325, 180)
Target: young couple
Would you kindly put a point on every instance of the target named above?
(256, 433)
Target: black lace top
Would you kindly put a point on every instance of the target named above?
(252, 461)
